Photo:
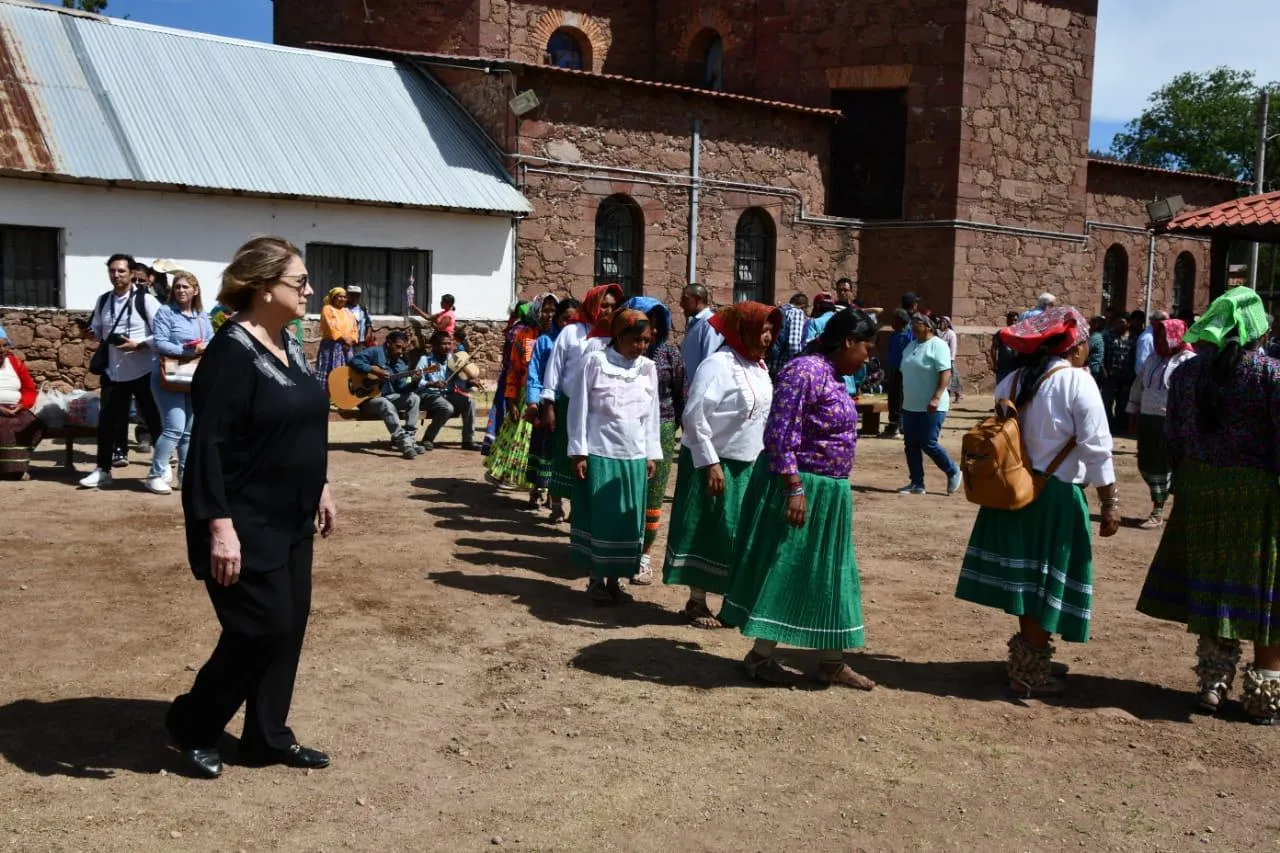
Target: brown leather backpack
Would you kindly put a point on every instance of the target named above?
(994, 459)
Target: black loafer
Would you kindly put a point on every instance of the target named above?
(202, 763)
(304, 758)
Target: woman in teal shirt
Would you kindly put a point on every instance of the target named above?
(926, 375)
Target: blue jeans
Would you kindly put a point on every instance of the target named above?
(175, 415)
(920, 431)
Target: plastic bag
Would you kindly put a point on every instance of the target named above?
(51, 407)
(84, 409)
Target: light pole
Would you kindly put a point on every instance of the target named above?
(1259, 170)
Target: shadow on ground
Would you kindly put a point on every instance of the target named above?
(91, 737)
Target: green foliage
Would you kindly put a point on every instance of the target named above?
(1204, 122)
(95, 6)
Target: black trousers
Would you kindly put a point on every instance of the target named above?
(264, 621)
(893, 381)
(114, 418)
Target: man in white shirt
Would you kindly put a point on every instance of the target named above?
(700, 340)
(121, 321)
(1146, 343)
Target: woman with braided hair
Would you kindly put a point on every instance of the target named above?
(1216, 568)
(1036, 563)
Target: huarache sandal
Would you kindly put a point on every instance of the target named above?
(841, 674)
(700, 616)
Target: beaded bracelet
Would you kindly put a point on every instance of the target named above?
(796, 493)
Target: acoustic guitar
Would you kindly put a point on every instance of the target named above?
(348, 387)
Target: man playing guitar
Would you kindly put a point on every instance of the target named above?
(397, 394)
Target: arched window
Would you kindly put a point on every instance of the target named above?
(1115, 278)
(619, 244)
(713, 66)
(568, 48)
(1184, 285)
(753, 257)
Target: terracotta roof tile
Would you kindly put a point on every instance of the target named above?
(1254, 218)
(480, 62)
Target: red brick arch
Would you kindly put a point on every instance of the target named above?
(695, 34)
(593, 37)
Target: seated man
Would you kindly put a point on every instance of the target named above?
(397, 396)
(443, 396)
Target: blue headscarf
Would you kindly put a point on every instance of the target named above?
(4, 336)
(645, 304)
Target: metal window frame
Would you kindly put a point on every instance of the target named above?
(53, 297)
(754, 253)
(619, 240)
(1109, 282)
(390, 297)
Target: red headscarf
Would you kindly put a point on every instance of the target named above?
(624, 320)
(1168, 337)
(742, 324)
(589, 311)
(1060, 329)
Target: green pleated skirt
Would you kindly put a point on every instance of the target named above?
(562, 482)
(1036, 561)
(700, 539)
(606, 537)
(1215, 569)
(796, 586)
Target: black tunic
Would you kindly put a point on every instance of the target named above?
(259, 450)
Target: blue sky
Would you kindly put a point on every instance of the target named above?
(1142, 44)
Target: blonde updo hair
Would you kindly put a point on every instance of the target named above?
(197, 304)
(259, 262)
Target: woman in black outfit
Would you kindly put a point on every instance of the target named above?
(254, 496)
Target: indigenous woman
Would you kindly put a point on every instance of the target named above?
(498, 411)
(1147, 404)
(20, 430)
(724, 422)
(793, 578)
(337, 335)
(542, 439)
(562, 374)
(1215, 570)
(1036, 563)
(947, 333)
(255, 496)
(615, 445)
(508, 462)
(671, 384)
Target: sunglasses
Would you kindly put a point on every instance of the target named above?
(138, 281)
(303, 281)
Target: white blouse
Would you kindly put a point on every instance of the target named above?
(10, 384)
(562, 366)
(1068, 403)
(613, 410)
(1150, 392)
(727, 408)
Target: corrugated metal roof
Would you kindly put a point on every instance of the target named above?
(103, 99)
(486, 62)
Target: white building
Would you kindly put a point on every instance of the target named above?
(159, 143)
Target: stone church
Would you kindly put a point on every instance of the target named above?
(764, 147)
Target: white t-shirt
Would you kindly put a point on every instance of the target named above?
(126, 366)
(727, 409)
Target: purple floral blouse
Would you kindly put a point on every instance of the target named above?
(813, 425)
(1249, 435)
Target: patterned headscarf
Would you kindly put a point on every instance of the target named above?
(1059, 329)
(1169, 337)
(1238, 313)
(533, 315)
(647, 305)
(328, 297)
(589, 310)
(742, 324)
(624, 320)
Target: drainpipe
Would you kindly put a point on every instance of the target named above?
(1151, 271)
(695, 172)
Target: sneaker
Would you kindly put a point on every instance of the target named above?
(96, 479)
(120, 460)
(144, 446)
(158, 486)
(428, 445)
(407, 451)
(471, 447)
(911, 489)
(644, 577)
(954, 482)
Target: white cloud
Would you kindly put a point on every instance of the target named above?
(1142, 44)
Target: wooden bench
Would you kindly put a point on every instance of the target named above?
(69, 434)
(869, 411)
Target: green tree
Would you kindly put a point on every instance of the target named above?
(95, 6)
(1204, 122)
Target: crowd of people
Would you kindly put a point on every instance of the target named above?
(764, 400)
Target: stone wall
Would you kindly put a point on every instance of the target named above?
(57, 351)
(437, 26)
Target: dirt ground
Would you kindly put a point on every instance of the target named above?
(473, 699)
